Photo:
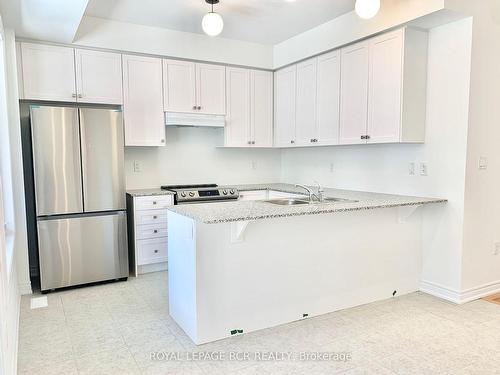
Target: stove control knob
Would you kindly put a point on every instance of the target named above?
(191, 193)
(224, 192)
(231, 191)
(183, 194)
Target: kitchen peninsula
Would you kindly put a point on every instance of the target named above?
(241, 266)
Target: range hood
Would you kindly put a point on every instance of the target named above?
(194, 119)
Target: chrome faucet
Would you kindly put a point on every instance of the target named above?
(320, 192)
(309, 191)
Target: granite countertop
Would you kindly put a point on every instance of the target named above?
(225, 212)
(148, 192)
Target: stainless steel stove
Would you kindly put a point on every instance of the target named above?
(203, 193)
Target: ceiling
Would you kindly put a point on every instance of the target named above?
(260, 21)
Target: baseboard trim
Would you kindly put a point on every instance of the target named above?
(25, 288)
(457, 296)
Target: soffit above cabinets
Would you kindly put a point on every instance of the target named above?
(260, 21)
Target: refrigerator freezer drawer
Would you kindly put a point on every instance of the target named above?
(82, 249)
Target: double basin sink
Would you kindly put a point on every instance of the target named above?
(297, 202)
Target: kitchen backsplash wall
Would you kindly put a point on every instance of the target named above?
(191, 155)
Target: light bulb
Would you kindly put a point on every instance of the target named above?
(212, 24)
(367, 8)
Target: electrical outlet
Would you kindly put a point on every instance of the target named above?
(496, 250)
(483, 163)
(423, 169)
(411, 169)
(137, 166)
(331, 167)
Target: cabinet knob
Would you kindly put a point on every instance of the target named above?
(155, 231)
(155, 217)
(199, 107)
(292, 141)
(156, 251)
(363, 137)
(154, 202)
(249, 142)
(162, 141)
(367, 137)
(195, 107)
(253, 142)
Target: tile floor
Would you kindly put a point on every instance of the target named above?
(113, 328)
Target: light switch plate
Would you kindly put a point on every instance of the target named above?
(137, 166)
(483, 162)
(423, 169)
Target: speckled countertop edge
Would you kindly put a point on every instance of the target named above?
(148, 192)
(226, 212)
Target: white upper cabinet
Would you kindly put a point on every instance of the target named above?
(143, 101)
(354, 93)
(305, 112)
(328, 99)
(69, 75)
(237, 130)
(98, 77)
(383, 96)
(211, 89)
(249, 119)
(48, 72)
(179, 86)
(385, 85)
(194, 88)
(284, 110)
(261, 108)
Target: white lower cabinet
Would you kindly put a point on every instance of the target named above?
(147, 217)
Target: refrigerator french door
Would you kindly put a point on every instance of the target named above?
(80, 195)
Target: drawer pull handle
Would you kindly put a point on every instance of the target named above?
(154, 202)
(155, 217)
(156, 251)
(155, 231)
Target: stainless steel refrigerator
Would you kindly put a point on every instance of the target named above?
(78, 168)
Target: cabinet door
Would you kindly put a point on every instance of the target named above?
(143, 101)
(284, 120)
(98, 77)
(261, 108)
(305, 133)
(237, 130)
(179, 87)
(328, 102)
(354, 94)
(211, 89)
(48, 72)
(385, 88)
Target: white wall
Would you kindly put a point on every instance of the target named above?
(97, 32)
(349, 28)
(9, 294)
(191, 156)
(384, 168)
(482, 198)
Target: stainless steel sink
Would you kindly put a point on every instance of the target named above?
(287, 202)
(338, 200)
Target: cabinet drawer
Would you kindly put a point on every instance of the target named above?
(152, 251)
(253, 195)
(154, 202)
(151, 217)
(143, 232)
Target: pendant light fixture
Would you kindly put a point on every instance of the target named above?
(212, 22)
(367, 8)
